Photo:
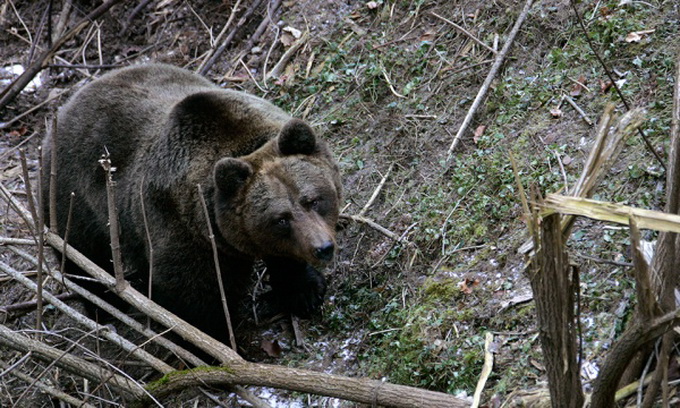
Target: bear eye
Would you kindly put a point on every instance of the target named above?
(283, 222)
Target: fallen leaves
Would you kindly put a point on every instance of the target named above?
(579, 86)
(467, 285)
(478, 133)
(290, 35)
(271, 347)
(637, 36)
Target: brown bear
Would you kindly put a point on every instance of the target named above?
(271, 186)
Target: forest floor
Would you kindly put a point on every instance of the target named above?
(387, 83)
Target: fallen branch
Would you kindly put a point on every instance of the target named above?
(217, 53)
(372, 224)
(371, 392)
(376, 191)
(16, 241)
(44, 387)
(70, 362)
(490, 77)
(237, 371)
(604, 211)
(180, 352)
(578, 109)
(486, 370)
(89, 323)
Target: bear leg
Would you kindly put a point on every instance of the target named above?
(297, 287)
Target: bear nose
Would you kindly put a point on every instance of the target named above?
(325, 251)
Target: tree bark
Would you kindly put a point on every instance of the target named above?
(372, 392)
(554, 295)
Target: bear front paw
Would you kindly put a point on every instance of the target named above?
(308, 298)
(300, 290)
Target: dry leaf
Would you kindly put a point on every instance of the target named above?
(18, 132)
(478, 133)
(537, 365)
(605, 85)
(271, 347)
(287, 39)
(556, 113)
(372, 5)
(636, 36)
(579, 86)
(427, 36)
(293, 31)
(466, 285)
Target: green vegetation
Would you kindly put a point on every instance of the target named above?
(420, 327)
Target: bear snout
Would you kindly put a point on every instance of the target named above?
(325, 251)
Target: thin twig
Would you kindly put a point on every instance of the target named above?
(217, 53)
(53, 176)
(578, 109)
(389, 83)
(281, 65)
(105, 162)
(376, 191)
(611, 78)
(211, 236)
(372, 224)
(148, 241)
(51, 97)
(27, 185)
(69, 216)
(67, 361)
(466, 32)
(13, 89)
(44, 387)
(89, 323)
(40, 226)
(250, 74)
(500, 57)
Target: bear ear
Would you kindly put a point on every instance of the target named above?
(231, 174)
(297, 137)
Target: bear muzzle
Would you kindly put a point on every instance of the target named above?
(325, 251)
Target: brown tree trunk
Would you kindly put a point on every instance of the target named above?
(554, 291)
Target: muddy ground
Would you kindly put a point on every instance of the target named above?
(388, 84)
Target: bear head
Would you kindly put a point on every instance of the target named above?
(282, 200)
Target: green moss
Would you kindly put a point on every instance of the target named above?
(440, 290)
(154, 385)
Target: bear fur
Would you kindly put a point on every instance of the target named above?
(271, 186)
